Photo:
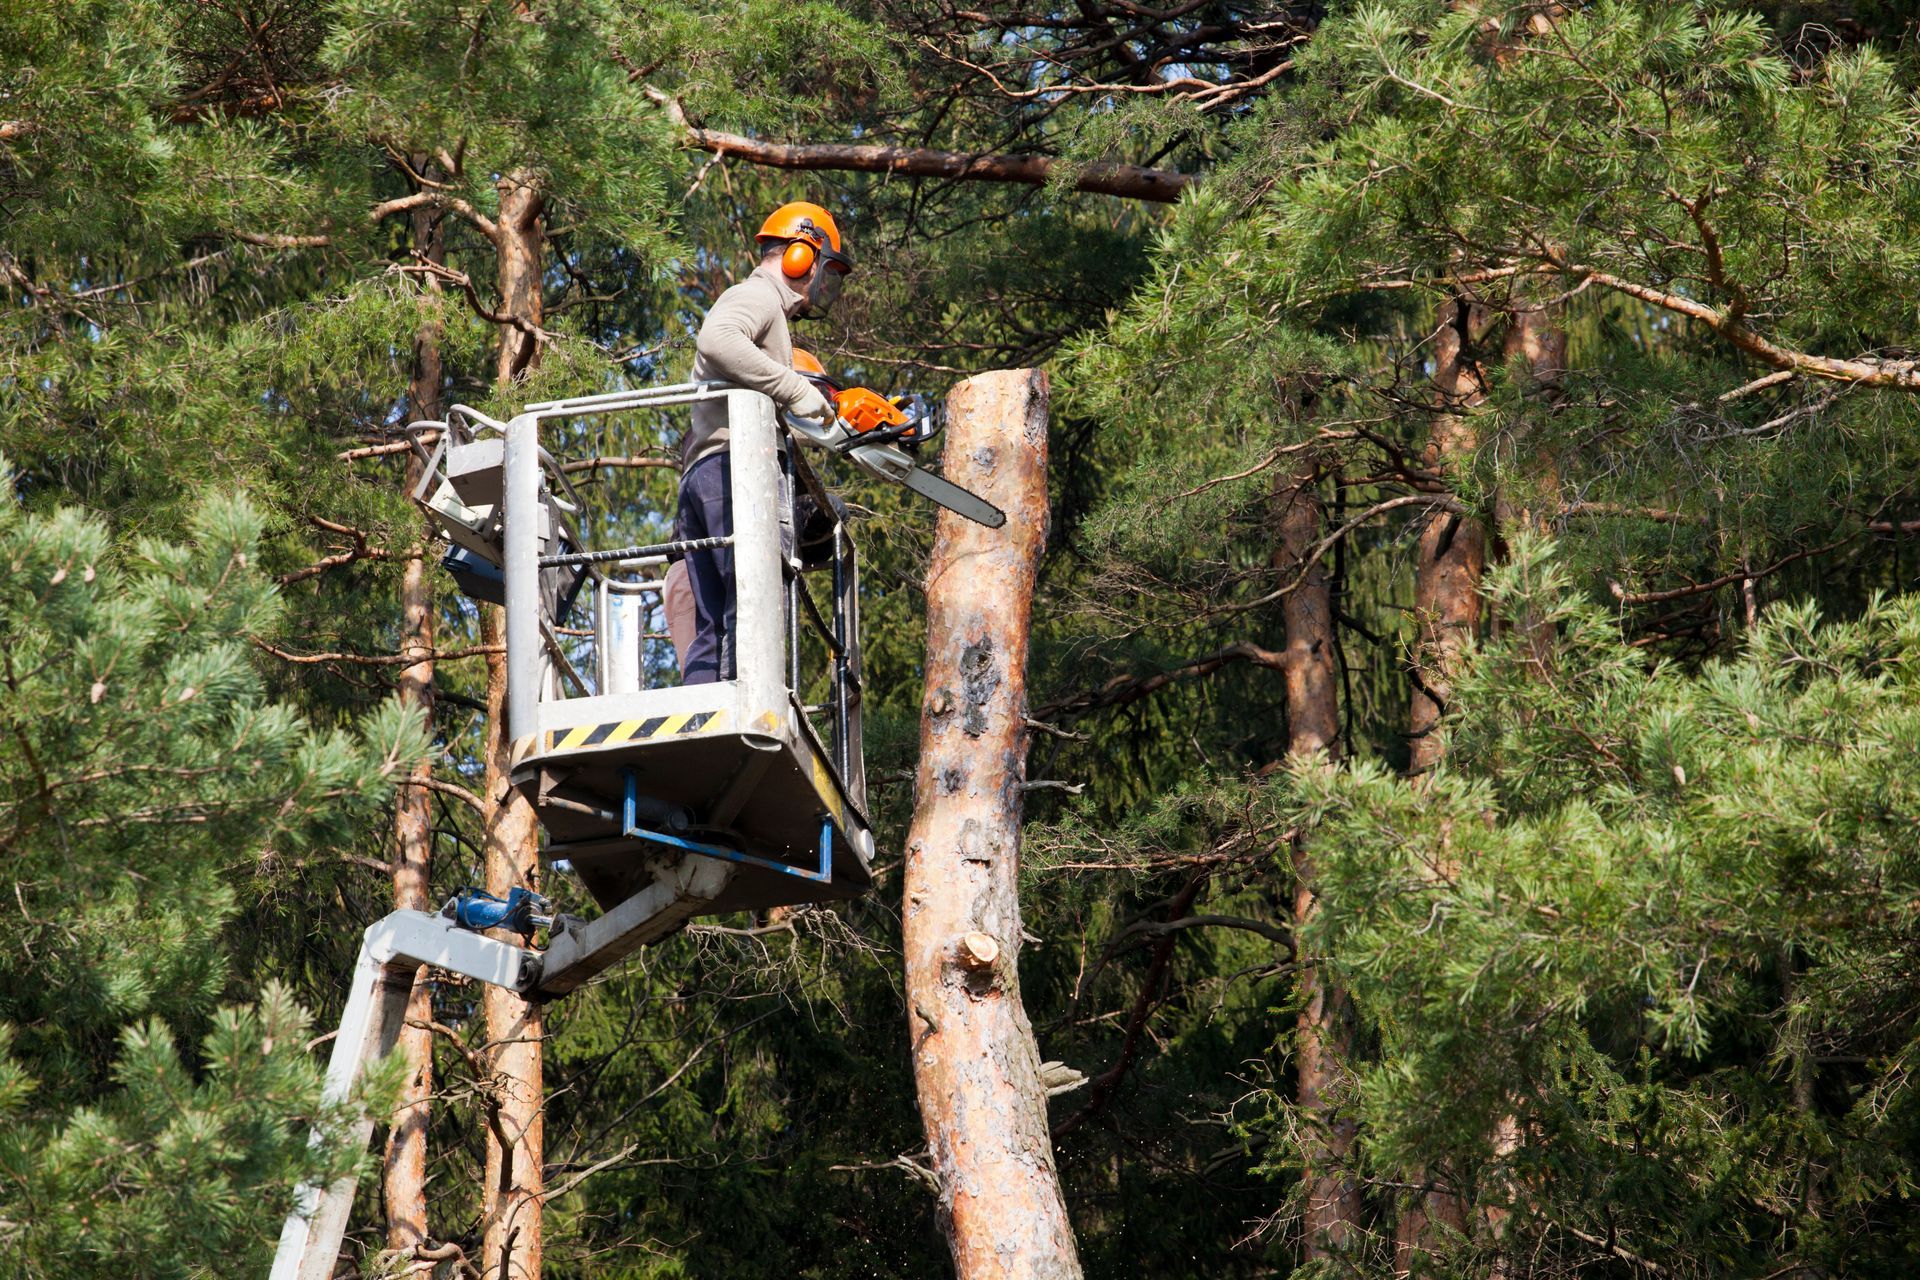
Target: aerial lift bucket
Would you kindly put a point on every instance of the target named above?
(668, 802)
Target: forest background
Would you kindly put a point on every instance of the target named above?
(1472, 788)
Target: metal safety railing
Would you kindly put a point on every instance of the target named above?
(778, 603)
(838, 634)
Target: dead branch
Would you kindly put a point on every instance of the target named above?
(1626, 597)
(483, 1076)
(440, 200)
(1614, 1250)
(476, 1061)
(1866, 371)
(464, 283)
(447, 1252)
(270, 240)
(554, 1193)
(360, 550)
(1659, 515)
(1125, 180)
(1103, 1087)
(1773, 379)
(446, 789)
(1431, 501)
(437, 200)
(1160, 928)
(1040, 726)
(377, 659)
(1124, 690)
(907, 1164)
(383, 450)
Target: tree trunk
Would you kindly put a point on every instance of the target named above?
(1446, 596)
(521, 256)
(975, 1062)
(1324, 1025)
(1453, 555)
(511, 1196)
(1453, 548)
(1536, 340)
(406, 1161)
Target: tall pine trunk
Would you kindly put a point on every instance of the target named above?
(405, 1174)
(975, 1063)
(1324, 1025)
(1453, 547)
(1446, 596)
(1536, 342)
(1447, 599)
(511, 1195)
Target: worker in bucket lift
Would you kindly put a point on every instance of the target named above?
(745, 341)
(815, 531)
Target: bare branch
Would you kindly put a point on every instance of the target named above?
(437, 200)
(465, 284)
(383, 450)
(1123, 690)
(269, 240)
(1626, 597)
(629, 460)
(377, 659)
(1125, 180)
(447, 789)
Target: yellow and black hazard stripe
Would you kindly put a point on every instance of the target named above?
(620, 731)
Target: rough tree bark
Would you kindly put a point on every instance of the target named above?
(1125, 180)
(1324, 1025)
(1453, 548)
(511, 1194)
(975, 1062)
(1536, 341)
(405, 1174)
(1447, 599)
(1446, 595)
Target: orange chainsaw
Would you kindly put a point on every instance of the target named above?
(869, 429)
(907, 420)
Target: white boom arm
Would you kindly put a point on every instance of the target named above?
(394, 947)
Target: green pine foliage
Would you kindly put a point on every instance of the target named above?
(1659, 919)
(148, 785)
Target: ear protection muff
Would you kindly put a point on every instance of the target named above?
(798, 259)
(804, 251)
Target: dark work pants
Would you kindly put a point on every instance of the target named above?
(706, 511)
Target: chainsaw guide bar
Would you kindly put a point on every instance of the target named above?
(887, 462)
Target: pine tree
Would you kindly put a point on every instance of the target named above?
(1655, 912)
(147, 782)
(1719, 402)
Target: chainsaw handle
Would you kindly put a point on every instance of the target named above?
(822, 435)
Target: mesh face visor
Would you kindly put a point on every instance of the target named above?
(826, 286)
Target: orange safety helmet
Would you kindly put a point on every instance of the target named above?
(808, 366)
(809, 233)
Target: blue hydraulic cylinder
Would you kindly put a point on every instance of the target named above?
(478, 910)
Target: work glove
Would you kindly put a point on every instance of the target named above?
(815, 406)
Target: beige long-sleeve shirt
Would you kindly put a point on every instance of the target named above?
(744, 341)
